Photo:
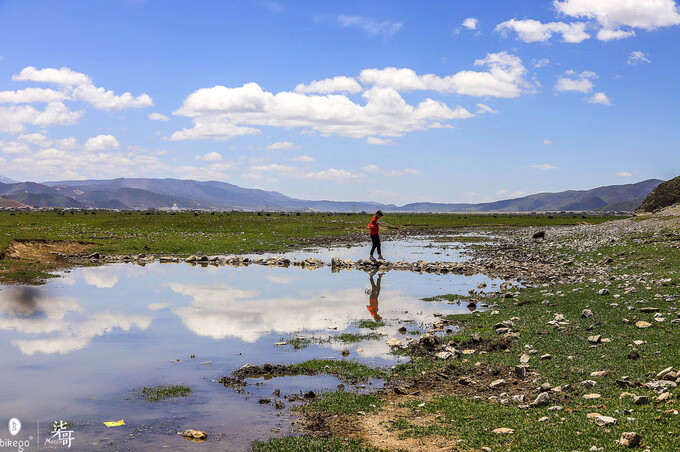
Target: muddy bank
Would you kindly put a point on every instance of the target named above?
(45, 251)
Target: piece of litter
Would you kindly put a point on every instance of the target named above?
(115, 423)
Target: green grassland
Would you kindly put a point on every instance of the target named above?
(224, 233)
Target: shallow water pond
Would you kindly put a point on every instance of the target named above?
(76, 349)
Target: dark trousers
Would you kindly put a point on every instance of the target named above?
(376, 244)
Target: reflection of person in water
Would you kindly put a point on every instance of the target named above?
(373, 297)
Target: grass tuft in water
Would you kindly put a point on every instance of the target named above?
(162, 392)
(356, 337)
(310, 444)
(370, 324)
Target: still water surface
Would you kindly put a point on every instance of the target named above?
(75, 349)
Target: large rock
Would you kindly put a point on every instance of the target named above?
(664, 195)
(629, 439)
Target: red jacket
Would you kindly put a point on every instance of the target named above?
(373, 226)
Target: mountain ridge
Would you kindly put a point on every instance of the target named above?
(146, 193)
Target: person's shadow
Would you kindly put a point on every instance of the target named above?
(373, 296)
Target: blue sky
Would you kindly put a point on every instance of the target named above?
(449, 101)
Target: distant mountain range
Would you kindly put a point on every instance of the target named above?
(140, 193)
(6, 180)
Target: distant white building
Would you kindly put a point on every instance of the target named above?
(174, 207)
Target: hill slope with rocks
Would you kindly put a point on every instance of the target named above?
(664, 195)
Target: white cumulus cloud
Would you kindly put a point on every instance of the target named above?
(14, 118)
(31, 95)
(470, 23)
(612, 14)
(302, 158)
(210, 157)
(282, 145)
(529, 30)
(222, 113)
(158, 117)
(379, 141)
(339, 84)
(505, 78)
(81, 87)
(607, 34)
(624, 174)
(101, 143)
(600, 98)
(573, 81)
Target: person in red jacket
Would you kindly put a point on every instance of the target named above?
(374, 293)
(374, 228)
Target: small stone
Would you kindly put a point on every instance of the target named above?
(660, 386)
(664, 372)
(642, 324)
(345, 353)
(556, 408)
(589, 383)
(641, 400)
(497, 383)
(586, 314)
(443, 355)
(393, 342)
(592, 396)
(542, 400)
(598, 373)
(524, 358)
(664, 397)
(639, 342)
(521, 371)
(546, 356)
(544, 419)
(595, 339)
(605, 421)
(603, 292)
(629, 439)
(503, 431)
(194, 434)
